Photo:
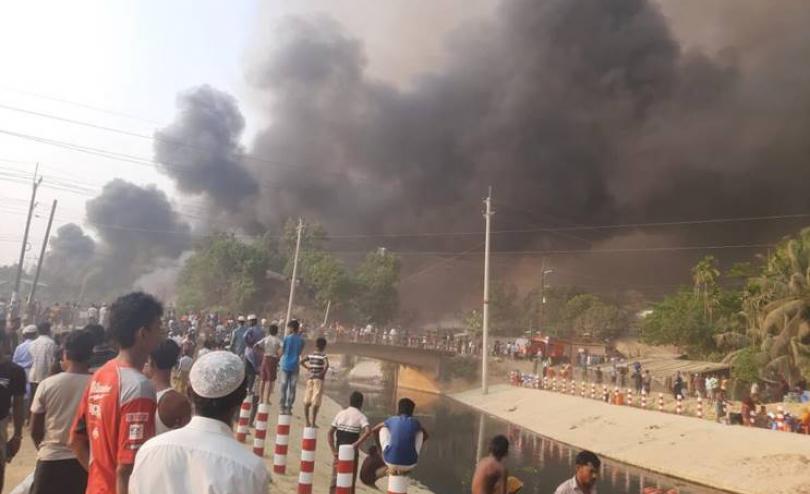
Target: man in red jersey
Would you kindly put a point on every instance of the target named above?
(117, 412)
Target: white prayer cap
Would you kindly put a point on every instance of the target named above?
(30, 329)
(216, 374)
(264, 322)
(252, 317)
(241, 318)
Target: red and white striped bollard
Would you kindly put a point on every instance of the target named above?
(679, 405)
(282, 444)
(308, 443)
(660, 402)
(260, 433)
(345, 469)
(242, 427)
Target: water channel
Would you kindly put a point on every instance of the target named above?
(459, 435)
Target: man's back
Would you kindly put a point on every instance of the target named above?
(402, 449)
(43, 354)
(200, 457)
(489, 477)
(58, 398)
(293, 345)
(117, 414)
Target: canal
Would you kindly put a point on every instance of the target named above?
(459, 435)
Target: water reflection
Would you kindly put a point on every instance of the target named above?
(459, 436)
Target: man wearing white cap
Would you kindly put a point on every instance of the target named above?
(238, 337)
(22, 356)
(203, 456)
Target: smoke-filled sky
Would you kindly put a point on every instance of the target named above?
(385, 118)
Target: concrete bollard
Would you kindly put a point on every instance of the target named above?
(545, 383)
(660, 402)
(679, 405)
(629, 397)
(398, 484)
(593, 391)
(643, 398)
(260, 433)
(780, 418)
(308, 443)
(605, 394)
(242, 427)
(554, 384)
(345, 470)
(282, 442)
(582, 389)
(700, 407)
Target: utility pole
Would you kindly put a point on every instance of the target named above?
(543, 273)
(326, 315)
(15, 295)
(485, 346)
(294, 272)
(41, 255)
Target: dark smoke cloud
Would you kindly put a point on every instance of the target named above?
(70, 255)
(576, 111)
(201, 149)
(138, 228)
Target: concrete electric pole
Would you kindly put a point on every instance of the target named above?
(485, 323)
(15, 295)
(294, 273)
(41, 256)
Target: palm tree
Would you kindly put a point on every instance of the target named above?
(704, 276)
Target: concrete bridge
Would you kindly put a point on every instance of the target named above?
(419, 368)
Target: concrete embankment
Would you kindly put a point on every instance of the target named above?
(732, 458)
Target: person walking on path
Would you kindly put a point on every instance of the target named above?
(43, 356)
(52, 410)
(585, 477)
(350, 426)
(204, 456)
(490, 475)
(12, 399)
(116, 415)
(173, 408)
(291, 349)
(271, 346)
(317, 364)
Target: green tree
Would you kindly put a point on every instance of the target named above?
(587, 316)
(223, 271)
(679, 320)
(377, 295)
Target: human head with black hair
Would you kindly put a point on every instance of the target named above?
(406, 406)
(499, 447)
(44, 328)
(294, 325)
(165, 356)
(587, 472)
(273, 329)
(98, 333)
(320, 343)
(76, 351)
(356, 400)
(135, 324)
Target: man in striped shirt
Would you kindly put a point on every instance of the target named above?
(349, 427)
(317, 364)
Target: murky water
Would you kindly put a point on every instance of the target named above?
(459, 435)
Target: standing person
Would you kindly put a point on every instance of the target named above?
(43, 355)
(677, 387)
(350, 426)
(204, 456)
(291, 349)
(116, 415)
(22, 354)
(173, 408)
(52, 411)
(12, 398)
(401, 438)
(181, 373)
(103, 350)
(490, 475)
(317, 364)
(238, 337)
(253, 353)
(585, 476)
(638, 380)
(646, 382)
(104, 315)
(271, 346)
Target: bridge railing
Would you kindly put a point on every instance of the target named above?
(406, 341)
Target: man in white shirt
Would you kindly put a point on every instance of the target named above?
(52, 411)
(271, 346)
(43, 356)
(585, 477)
(350, 426)
(203, 456)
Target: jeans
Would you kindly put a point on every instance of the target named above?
(289, 381)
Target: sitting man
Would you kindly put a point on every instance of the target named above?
(401, 438)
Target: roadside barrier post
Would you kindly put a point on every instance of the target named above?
(545, 383)
(605, 395)
(780, 418)
(260, 433)
(345, 470)
(700, 407)
(644, 398)
(398, 484)
(660, 402)
(554, 384)
(679, 405)
(282, 442)
(593, 391)
(582, 389)
(242, 427)
(629, 397)
(308, 440)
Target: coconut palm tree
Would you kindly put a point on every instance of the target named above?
(704, 276)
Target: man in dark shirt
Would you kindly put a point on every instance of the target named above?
(103, 351)
(12, 394)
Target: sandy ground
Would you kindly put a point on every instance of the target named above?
(731, 458)
(25, 461)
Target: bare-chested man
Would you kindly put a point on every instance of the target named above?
(490, 475)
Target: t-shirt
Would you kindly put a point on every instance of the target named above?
(117, 414)
(402, 448)
(348, 424)
(253, 355)
(271, 344)
(293, 345)
(43, 355)
(12, 383)
(317, 363)
(58, 398)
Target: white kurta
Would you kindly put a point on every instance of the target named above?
(202, 457)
